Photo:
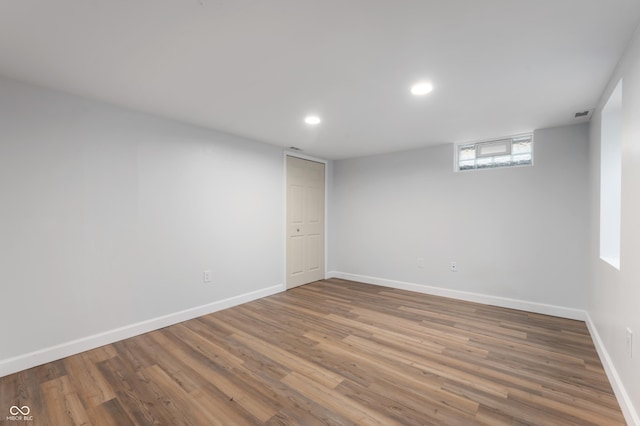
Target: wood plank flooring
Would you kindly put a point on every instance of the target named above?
(331, 352)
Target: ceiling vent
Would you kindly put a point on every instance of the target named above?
(583, 115)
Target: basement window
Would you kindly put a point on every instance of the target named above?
(507, 152)
(611, 178)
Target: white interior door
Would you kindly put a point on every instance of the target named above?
(305, 221)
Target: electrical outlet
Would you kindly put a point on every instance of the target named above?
(454, 267)
(629, 342)
(206, 276)
(420, 262)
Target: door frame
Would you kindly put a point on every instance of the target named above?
(297, 154)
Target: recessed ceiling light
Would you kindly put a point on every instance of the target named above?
(312, 119)
(421, 88)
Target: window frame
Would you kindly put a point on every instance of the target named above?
(489, 142)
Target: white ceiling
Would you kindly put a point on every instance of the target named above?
(255, 68)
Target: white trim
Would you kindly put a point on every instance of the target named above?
(626, 405)
(43, 356)
(505, 302)
(297, 154)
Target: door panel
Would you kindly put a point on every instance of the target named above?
(305, 221)
(313, 253)
(297, 251)
(313, 206)
(296, 205)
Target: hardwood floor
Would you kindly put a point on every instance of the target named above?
(331, 352)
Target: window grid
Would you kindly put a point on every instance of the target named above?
(518, 149)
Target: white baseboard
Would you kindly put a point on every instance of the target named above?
(43, 356)
(630, 413)
(505, 302)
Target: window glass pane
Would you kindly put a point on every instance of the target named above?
(467, 152)
(482, 163)
(521, 147)
(522, 159)
(488, 149)
(466, 164)
(503, 160)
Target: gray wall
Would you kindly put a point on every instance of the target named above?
(614, 296)
(109, 217)
(517, 233)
